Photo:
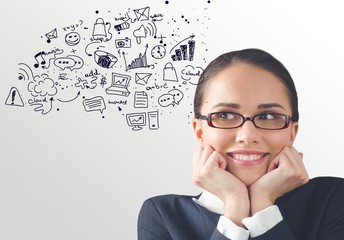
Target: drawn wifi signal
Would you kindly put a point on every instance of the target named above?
(151, 27)
(25, 73)
(184, 52)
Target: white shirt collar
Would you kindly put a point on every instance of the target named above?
(210, 202)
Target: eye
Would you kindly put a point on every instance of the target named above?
(225, 116)
(269, 116)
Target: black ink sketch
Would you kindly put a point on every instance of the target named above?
(14, 98)
(42, 105)
(136, 120)
(140, 99)
(158, 52)
(72, 38)
(25, 72)
(104, 59)
(81, 83)
(51, 35)
(119, 85)
(122, 26)
(173, 97)
(153, 119)
(142, 14)
(103, 81)
(123, 43)
(185, 51)
(139, 33)
(139, 62)
(40, 61)
(101, 30)
(170, 73)
(94, 104)
(192, 74)
(42, 86)
(142, 78)
(70, 100)
(72, 62)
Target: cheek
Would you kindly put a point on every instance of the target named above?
(277, 142)
(219, 139)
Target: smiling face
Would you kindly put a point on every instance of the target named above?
(249, 90)
(72, 38)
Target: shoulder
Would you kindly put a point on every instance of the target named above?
(320, 188)
(169, 201)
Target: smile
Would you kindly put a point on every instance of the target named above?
(247, 159)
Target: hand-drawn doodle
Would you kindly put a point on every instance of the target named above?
(81, 83)
(142, 78)
(140, 99)
(122, 26)
(119, 85)
(94, 104)
(104, 59)
(42, 105)
(70, 100)
(173, 97)
(158, 52)
(14, 98)
(72, 38)
(142, 14)
(40, 61)
(51, 35)
(153, 119)
(123, 43)
(191, 74)
(107, 51)
(139, 62)
(166, 100)
(185, 51)
(101, 30)
(139, 33)
(25, 72)
(71, 62)
(136, 120)
(42, 86)
(170, 73)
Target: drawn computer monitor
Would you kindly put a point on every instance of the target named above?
(136, 120)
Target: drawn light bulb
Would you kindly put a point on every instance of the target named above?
(140, 33)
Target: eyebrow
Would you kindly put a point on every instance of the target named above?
(237, 106)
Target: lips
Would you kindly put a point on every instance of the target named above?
(247, 158)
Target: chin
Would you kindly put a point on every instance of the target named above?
(248, 177)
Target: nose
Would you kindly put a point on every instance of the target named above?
(247, 133)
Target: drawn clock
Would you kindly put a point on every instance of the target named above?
(158, 52)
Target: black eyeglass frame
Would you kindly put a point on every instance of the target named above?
(208, 118)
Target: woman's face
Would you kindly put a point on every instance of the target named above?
(249, 90)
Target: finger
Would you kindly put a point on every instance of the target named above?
(215, 161)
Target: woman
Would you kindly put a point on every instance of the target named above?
(255, 183)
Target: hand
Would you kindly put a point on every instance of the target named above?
(285, 173)
(209, 172)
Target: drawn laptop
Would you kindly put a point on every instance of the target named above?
(119, 85)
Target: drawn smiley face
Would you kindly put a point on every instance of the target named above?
(72, 38)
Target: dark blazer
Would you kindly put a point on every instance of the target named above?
(314, 211)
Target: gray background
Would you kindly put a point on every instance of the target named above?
(74, 175)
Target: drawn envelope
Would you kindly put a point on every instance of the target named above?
(142, 13)
(142, 78)
(52, 34)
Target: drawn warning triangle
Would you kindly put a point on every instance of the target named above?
(14, 98)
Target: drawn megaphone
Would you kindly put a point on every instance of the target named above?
(139, 33)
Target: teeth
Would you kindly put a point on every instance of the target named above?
(244, 157)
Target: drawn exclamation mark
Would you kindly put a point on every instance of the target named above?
(13, 96)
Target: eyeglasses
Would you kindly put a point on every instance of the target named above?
(228, 120)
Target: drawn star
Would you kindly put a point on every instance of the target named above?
(81, 83)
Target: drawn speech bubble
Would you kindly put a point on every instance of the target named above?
(166, 100)
(94, 104)
(72, 62)
(177, 95)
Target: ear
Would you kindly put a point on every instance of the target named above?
(197, 127)
(294, 130)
